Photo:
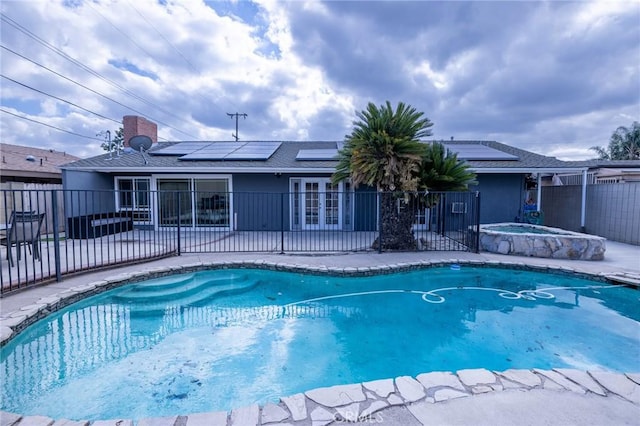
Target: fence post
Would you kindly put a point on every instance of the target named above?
(56, 235)
(477, 222)
(443, 215)
(282, 210)
(178, 233)
(379, 200)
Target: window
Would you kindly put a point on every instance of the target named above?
(133, 196)
(212, 202)
(194, 202)
(174, 202)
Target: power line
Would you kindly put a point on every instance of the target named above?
(118, 29)
(43, 42)
(60, 99)
(193, 67)
(91, 90)
(236, 115)
(164, 38)
(48, 125)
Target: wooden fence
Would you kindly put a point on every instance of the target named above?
(32, 197)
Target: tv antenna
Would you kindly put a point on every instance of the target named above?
(236, 115)
(107, 139)
(141, 143)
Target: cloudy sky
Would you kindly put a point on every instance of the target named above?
(551, 77)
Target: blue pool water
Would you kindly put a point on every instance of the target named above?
(522, 229)
(220, 339)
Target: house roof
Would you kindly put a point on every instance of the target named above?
(526, 160)
(28, 162)
(609, 164)
(284, 160)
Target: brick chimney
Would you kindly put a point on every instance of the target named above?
(135, 126)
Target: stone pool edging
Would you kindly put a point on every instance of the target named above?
(366, 402)
(17, 321)
(556, 244)
(340, 403)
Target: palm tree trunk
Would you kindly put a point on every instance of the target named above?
(396, 221)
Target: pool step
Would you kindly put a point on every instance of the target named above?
(204, 294)
(154, 292)
(170, 281)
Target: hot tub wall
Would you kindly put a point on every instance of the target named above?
(572, 246)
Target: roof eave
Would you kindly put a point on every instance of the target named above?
(506, 170)
(205, 169)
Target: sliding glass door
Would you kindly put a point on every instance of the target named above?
(194, 202)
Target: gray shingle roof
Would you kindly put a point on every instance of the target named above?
(526, 159)
(595, 164)
(285, 159)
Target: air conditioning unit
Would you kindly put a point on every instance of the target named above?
(458, 207)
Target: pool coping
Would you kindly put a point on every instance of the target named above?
(329, 404)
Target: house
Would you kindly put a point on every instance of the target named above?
(198, 176)
(32, 165)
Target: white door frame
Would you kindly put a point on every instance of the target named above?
(320, 207)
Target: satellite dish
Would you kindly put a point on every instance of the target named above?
(140, 143)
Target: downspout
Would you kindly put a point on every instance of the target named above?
(583, 207)
(539, 188)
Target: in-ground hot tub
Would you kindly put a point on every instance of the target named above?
(540, 241)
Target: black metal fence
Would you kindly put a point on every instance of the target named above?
(85, 230)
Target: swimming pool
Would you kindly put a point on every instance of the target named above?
(228, 338)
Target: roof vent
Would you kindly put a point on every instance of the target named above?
(31, 158)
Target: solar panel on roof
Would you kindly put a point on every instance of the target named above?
(479, 152)
(234, 151)
(254, 151)
(201, 156)
(247, 156)
(317, 154)
(181, 148)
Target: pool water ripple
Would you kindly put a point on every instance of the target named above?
(215, 340)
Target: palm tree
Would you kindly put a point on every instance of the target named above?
(623, 145)
(384, 151)
(442, 171)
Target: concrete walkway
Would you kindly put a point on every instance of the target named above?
(515, 397)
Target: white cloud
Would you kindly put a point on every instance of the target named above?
(551, 77)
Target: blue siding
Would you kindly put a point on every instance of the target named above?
(87, 193)
(366, 209)
(260, 201)
(74, 179)
(501, 197)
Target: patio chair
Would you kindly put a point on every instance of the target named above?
(24, 229)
